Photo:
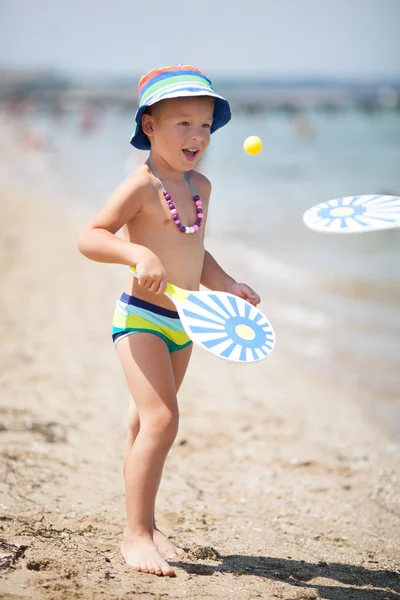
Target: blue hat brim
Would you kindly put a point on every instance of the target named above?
(222, 116)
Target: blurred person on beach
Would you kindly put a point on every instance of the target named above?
(178, 111)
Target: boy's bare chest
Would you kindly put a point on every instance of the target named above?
(166, 216)
(156, 228)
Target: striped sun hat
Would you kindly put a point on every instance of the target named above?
(180, 81)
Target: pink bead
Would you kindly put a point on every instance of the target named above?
(174, 211)
(200, 216)
(199, 203)
(196, 227)
(178, 222)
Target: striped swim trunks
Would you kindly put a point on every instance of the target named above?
(133, 314)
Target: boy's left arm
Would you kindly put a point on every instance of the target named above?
(214, 278)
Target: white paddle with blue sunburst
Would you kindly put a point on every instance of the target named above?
(354, 214)
(223, 324)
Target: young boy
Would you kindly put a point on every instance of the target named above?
(178, 110)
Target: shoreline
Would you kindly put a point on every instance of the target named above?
(287, 477)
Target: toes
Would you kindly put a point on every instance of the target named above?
(167, 570)
(143, 568)
(170, 554)
(176, 553)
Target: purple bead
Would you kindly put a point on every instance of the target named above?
(199, 210)
(171, 205)
(182, 227)
(175, 217)
(167, 196)
(196, 197)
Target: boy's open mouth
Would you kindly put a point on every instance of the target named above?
(190, 153)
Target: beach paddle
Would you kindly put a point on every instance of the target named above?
(223, 324)
(354, 214)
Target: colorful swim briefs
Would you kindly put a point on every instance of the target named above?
(133, 314)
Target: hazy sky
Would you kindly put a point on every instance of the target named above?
(348, 38)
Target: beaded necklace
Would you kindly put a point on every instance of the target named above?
(171, 205)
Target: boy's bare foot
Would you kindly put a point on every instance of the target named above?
(141, 554)
(166, 548)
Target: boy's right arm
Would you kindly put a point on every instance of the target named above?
(97, 241)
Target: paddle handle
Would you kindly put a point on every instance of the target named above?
(175, 293)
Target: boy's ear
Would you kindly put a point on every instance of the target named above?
(147, 124)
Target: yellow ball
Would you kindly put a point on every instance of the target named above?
(252, 144)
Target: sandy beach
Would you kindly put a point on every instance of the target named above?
(279, 485)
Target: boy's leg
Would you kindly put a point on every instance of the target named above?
(133, 430)
(148, 370)
(179, 360)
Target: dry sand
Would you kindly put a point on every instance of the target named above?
(287, 479)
